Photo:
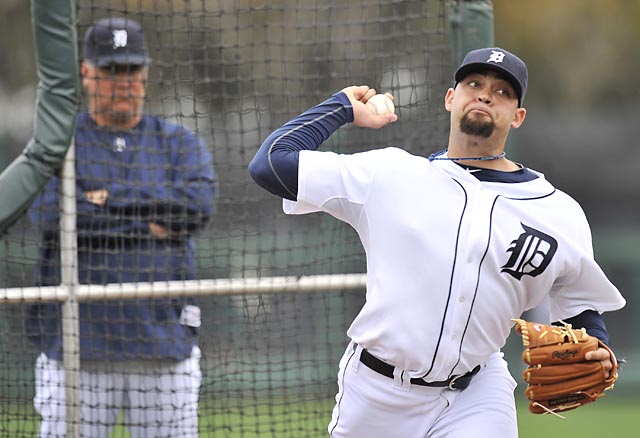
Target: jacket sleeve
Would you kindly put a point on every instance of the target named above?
(44, 213)
(275, 165)
(591, 321)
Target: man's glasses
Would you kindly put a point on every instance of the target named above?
(118, 69)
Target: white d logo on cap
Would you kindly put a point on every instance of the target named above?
(119, 38)
(496, 56)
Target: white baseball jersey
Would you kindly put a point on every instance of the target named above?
(451, 259)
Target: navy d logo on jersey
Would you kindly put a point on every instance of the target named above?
(531, 253)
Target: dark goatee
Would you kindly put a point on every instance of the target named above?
(476, 127)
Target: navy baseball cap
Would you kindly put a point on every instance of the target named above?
(494, 58)
(115, 41)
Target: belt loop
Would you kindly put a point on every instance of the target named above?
(401, 380)
(356, 356)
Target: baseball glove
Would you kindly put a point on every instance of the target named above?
(558, 376)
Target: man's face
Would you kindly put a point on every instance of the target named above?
(115, 93)
(483, 102)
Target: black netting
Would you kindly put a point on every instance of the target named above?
(230, 72)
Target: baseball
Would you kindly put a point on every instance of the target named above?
(381, 104)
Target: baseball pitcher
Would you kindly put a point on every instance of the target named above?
(458, 245)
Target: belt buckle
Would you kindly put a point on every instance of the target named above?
(453, 380)
(463, 379)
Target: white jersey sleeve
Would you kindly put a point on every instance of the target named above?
(584, 286)
(333, 183)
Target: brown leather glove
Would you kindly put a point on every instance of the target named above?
(559, 377)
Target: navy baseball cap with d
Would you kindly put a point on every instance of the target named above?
(513, 68)
(115, 41)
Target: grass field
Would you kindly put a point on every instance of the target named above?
(609, 417)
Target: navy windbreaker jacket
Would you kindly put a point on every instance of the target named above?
(157, 172)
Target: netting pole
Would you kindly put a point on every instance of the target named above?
(70, 308)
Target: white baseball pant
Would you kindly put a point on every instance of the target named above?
(159, 399)
(371, 405)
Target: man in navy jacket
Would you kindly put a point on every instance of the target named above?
(144, 187)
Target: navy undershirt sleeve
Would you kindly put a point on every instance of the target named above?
(275, 165)
(593, 322)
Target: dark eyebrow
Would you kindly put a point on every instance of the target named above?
(496, 74)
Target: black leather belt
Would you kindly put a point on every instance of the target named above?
(456, 382)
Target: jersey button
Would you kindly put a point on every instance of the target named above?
(461, 299)
(469, 259)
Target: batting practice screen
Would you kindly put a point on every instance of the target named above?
(174, 244)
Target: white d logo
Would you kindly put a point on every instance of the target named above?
(119, 38)
(496, 56)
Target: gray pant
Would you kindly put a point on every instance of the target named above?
(158, 399)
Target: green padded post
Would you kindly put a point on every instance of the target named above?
(54, 31)
(471, 27)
